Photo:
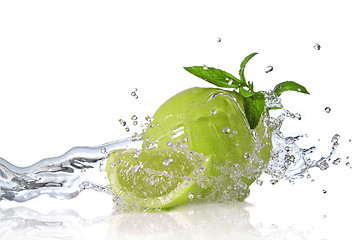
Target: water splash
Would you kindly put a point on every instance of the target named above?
(62, 177)
(81, 168)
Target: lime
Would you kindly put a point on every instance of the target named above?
(212, 121)
(157, 178)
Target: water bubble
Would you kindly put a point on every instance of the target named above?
(219, 39)
(226, 130)
(167, 162)
(327, 109)
(191, 195)
(268, 69)
(213, 111)
(234, 132)
(317, 46)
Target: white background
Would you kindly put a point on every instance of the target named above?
(67, 70)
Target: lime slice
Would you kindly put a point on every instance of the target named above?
(157, 178)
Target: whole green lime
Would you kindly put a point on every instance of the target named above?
(211, 121)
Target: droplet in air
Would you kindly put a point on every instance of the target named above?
(167, 162)
(127, 129)
(327, 109)
(219, 39)
(213, 111)
(226, 130)
(268, 69)
(122, 122)
(317, 46)
(191, 195)
(324, 191)
(134, 117)
(259, 182)
(336, 161)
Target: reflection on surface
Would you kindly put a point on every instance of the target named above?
(24, 223)
(192, 221)
(197, 221)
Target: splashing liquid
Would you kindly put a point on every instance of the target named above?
(81, 168)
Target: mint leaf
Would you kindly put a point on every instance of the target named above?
(289, 86)
(241, 70)
(215, 76)
(253, 108)
(245, 93)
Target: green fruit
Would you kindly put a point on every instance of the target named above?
(156, 178)
(212, 121)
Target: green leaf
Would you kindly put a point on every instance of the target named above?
(289, 86)
(245, 93)
(215, 76)
(253, 108)
(243, 66)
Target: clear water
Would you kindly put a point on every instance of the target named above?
(81, 168)
(62, 177)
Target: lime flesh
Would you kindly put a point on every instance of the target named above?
(156, 178)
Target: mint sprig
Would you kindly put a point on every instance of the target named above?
(254, 102)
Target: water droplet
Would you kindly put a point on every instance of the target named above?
(268, 69)
(122, 122)
(205, 68)
(230, 82)
(134, 117)
(226, 130)
(138, 167)
(298, 116)
(219, 39)
(167, 162)
(135, 123)
(190, 195)
(247, 155)
(127, 129)
(259, 182)
(136, 154)
(324, 191)
(327, 109)
(113, 165)
(213, 111)
(335, 138)
(103, 150)
(317, 46)
(273, 181)
(148, 118)
(234, 132)
(348, 164)
(336, 161)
